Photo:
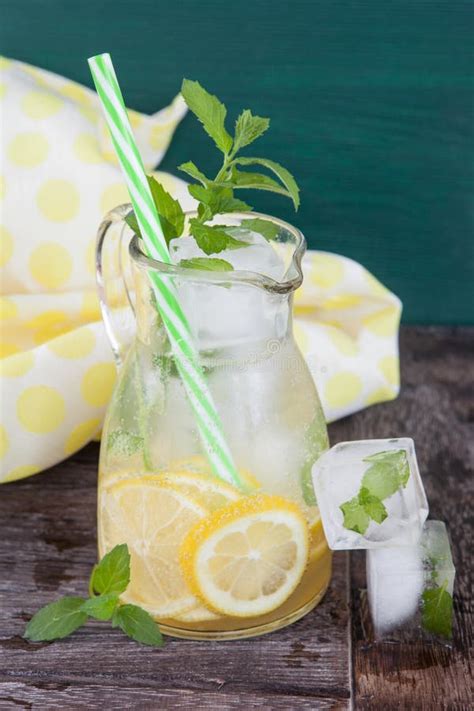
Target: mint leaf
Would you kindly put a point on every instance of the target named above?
(282, 174)
(210, 112)
(101, 607)
(381, 480)
(437, 611)
(211, 264)
(137, 624)
(266, 228)
(247, 128)
(112, 574)
(258, 181)
(387, 473)
(397, 457)
(355, 517)
(217, 199)
(190, 169)
(403, 469)
(132, 222)
(56, 620)
(167, 227)
(168, 208)
(212, 238)
(372, 505)
(123, 442)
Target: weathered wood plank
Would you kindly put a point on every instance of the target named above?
(436, 408)
(59, 695)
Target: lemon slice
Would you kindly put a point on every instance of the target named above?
(199, 614)
(317, 540)
(153, 518)
(199, 465)
(316, 532)
(209, 491)
(246, 558)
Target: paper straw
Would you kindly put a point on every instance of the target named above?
(175, 322)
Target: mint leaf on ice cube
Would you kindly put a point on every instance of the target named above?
(437, 611)
(372, 505)
(355, 516)
(388, 471)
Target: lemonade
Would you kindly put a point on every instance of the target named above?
(208, 561)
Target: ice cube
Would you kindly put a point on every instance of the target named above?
(185, 248)
(370, 494)
(394, 585)
(410, 588)
(259, 256)
(227, 314)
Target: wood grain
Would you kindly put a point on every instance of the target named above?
(325, 661)
(53, 695)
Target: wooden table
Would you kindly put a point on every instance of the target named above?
(48, 534)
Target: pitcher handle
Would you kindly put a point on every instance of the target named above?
(114, 281)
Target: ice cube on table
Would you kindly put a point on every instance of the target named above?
(410, 588)
(370, 494)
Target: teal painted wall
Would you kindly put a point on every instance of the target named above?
(371, 104)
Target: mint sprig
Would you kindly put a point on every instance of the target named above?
(387, 473)
(108, 580)
(215, 196)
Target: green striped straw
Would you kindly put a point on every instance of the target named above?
(177, 327)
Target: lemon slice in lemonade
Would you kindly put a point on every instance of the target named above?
(317, 540)
(200, 465)
(153, 518)
(245, 559)
(198, 614)
(208, 490)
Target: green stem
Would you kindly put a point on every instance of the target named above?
(220, 177)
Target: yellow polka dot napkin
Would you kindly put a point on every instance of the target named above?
(58, 178)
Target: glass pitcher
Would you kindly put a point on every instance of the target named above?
(210, 560)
